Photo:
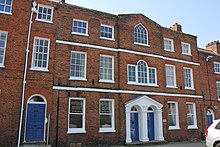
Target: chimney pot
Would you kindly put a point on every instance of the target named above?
(176, 27)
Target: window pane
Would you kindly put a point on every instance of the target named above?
(44, 13)
(105, 107)
(131, 73)
(142, 72)
(75, 121)
(106, 68)
(140, 34)
(77, 65)
(106, 32)
(79, 27)
(76, 106)
(152, 75)
(105, 121)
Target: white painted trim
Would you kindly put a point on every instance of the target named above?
(137, 43)
(44, 20)
(218, 63)
(194, 116)
(8, 13)
(189, 48)
(113, 32)
(174, 76)
(191, 76)
(177, 127)
(124, 91)
(77, 33)
(113, 69)
(125, 51)
(3, 60)
(172, 45)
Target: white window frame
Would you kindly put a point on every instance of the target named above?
(48, 54)
(177, 127)
(106, 80)
(77, 130)
(112, 129)
(172, 45)
(3, 60)
(77, 33)
(152, 84)
(189, 49)
(57, 1)
(108, 26)
(79, 78)
(218, 89)
(194, 114)
(217, 72)
(174, 76)
(138, 43)
(45, 20)
(9, 13)
(191, 76)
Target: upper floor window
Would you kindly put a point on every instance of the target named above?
(80, 27)
(106, 112)
(170, 76)
(140, 35)
(107, 32)
(142, 74)
(188, 78)
(106, 68)
(218, 89)
(40, 55)
(55, 1)
(3, 42)
(45, 13)
(78, 65)
(173, 115)
(6, 6)
(217, 67)
(168, 45)
(191, 115)
(76, 115)
(186, 50)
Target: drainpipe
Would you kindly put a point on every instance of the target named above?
(33, 10)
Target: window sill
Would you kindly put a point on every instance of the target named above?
(39, 69)
(189, 88)
(110, 39)
(192, 128)
(81, 34)
(6, 13)
(107, 130)
(171, 87)
(41, 20)
(217, 73)
(2, 66)
(76, 131)
(186, 54)
(146, 45)
(77, 79)
(153, 85)
(173, 128)
(169, 50)
(106, 81)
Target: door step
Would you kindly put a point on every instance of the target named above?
(152, 142)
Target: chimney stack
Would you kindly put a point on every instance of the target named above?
(214, 46)
(176, 27)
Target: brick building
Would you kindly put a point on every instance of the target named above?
(75, 75)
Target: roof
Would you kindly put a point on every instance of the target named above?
(208, 51)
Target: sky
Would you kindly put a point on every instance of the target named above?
(197, 17)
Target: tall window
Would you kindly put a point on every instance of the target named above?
(173, 115)
(168, 45)
(3, 42)
(170, 76)
(142, 74)
(218, 90)
(6, 6)
(40, 57)
(76, 117)
(78, 65)
(188, 78)
(191, 115)
(80, 27)
(186, 50)
(107, 32)
(106, 68)
(106, 111)
(140, 35)
(45, 13)
(217, 67)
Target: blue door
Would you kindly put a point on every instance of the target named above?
(150, 125)
(209, 120)
(35, 122)
(134, 127)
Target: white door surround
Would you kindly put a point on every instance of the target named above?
(142, 104)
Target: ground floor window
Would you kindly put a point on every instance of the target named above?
(76, 117)
(191, 115)
(173, 115)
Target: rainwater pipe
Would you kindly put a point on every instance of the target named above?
(33, 10)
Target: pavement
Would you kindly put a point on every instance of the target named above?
(172, 144)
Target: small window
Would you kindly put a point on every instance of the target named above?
(170, 76)
(80, 27)
(218, 126)
(132, 73)
(218, 90)
(140, 35)
(6, 6)
(78, 65)
(173, 115)
(106, 68)
(217, 67)
(58, 1)
(186, 50)
(188, 78)
(76, 115)
(40, 57)
(106, 111)
(107, 32)
(191, 116)
(168, 45)
(3, 42)
(152, 75)
(45, 13)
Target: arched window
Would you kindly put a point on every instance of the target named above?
(142, 72)
(140, 34)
